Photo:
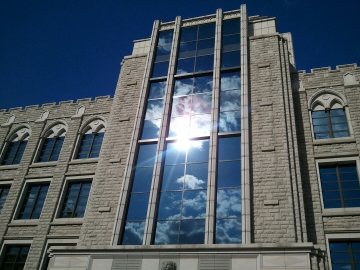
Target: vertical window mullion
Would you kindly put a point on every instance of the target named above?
(77, 199)
(340, 186)
(352, 259)
(52, 149)
(91, 145)
(35, 201)
(16, 152)
(329, 124)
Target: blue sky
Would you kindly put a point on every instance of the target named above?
(52, 51)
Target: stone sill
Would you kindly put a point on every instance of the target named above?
(9, 167)
(67, 221)
(84, 161)
(43, 164)
(355, 211)
(334, 140)
(25, 222)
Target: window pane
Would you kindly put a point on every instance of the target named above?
(229, 174)
(173, 178)
(170, 205)
(203, 84)
(231, 43)
(160, 69)
(319, 114)
(133, 233)
(201, 103)
(321, 128)
(194, 204)
(146, 155)
(185, 66)
(167, 232)
(151, 129)
(205, 47)
(229, 121)
(187, 49)
(206, 30)
(341, 134)
(230, 59)
(192, 232)
(165, 37)
(198, 151)
(320, 121)
(228, 203)
(204, 63)
(230, 100)
(231, 27)
(142, 179)
(154, 109)
(337, 112)
(341, 119)
(174, 155)
(322, 136)
(228, 231)
(138, 206)
(163, 53)
(229, 148)
(179, 126)
(157, 90)
(230, 81)
(183, 87)
(196, 176)
(188, 33)
(181, 106)
(200, 125)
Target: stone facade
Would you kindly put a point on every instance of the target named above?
(284, 222)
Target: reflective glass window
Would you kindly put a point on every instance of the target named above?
(345, 254)
(90, 145)
(75, 200)
(228, 196)
(191, 107)
(196, 49)
(340, 186)
(133, 232)
(154, 108)
(4, 191)
(14, 153)
(230, 44)
(230, 118)
(15, 257)
(162, 54)
(330, 124)
(34, 201)
(182, 206)
(51, 149)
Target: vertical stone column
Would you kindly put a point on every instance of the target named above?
(245, 132)
(154, 192)
(210, 204)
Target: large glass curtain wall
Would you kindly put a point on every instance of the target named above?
(180, 215)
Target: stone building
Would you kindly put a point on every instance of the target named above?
(215, 153)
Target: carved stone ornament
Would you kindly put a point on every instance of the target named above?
(167, 26)
(199, 21)
(325, 97)
(168, 265)
(232, 15)
(96, 122)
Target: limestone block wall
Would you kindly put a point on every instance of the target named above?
(38, 231)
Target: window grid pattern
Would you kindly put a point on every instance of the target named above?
(4, 191)
(51, 149)
(230, 44)
(15, 257)
(75, 200)
(230, 118)
(345, 255)
(90, 145)
(340, 186)
(330, 124)
(14, 153)
(162, 54)
(182, 206)
(191, 107)
(34, 201)
(154, 108)
(228, 198)
(196, 49)
(139, 196)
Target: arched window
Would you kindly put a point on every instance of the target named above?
(15, 146)
(91, 139)
(52, 143)
(329, 117)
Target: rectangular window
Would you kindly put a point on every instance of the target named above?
(196, 49)
(230, 44)
(15, 257)
(4, 191)
(340, 186)
(345, 255)
(51, 149)
(228, 197)
(90, 145)
(330, 124)
(139, 196)
(33, 201)
(182, 206)
(162, 54)
(14, 153)
(75, 200)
